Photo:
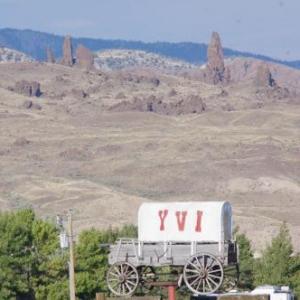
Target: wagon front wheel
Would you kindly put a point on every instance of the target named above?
(203, 274)
(122, 279)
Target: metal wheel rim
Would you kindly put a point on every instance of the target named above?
(122, 279)
(203, 274)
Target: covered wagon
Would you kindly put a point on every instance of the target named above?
(194, 238)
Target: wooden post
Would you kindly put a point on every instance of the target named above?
(71, 262)
(100, 296)
(172, 292)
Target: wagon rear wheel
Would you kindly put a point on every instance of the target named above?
(203, 274)
(231, 278)
(147, 276)
(122, 279)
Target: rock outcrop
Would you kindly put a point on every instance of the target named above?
(263, 78)
(28, 104)
(84, 57)
(50, 56)
(267, 86)
(216, 73)
(79, 94)
(13, 56)
(28, 88)
(67, 58)
(191, 105)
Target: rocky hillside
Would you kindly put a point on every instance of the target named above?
(103, 141)
(34, 44)
(10, 55)
(120, 59)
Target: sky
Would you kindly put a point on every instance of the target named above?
(269, 27)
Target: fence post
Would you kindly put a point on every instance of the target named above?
(100, 296)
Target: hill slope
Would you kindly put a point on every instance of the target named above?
(10, 55)
(120, 59)
(34, 44)
(72, 152)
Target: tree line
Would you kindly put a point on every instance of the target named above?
(34, 267)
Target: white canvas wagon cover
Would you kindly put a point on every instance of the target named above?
(185, 221)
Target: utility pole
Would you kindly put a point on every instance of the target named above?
(72, 262)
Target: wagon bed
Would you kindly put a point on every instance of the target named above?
(169, 253)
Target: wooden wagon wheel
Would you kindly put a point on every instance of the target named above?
(122, 279)
(147, 276)
(231, 277)
(203, 274)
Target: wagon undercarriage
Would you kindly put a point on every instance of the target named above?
(201, 267)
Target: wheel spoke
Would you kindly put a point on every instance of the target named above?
(130, 282)
(131, 272)
(199, 263)
(192, 271)
(128, 287)
(114, 279)
(214, 271)
(195, 281)
(212, 281)
(198, 286)
(113, 274)
(115, 284)
(195, 266)
(117, 269)
(208, 284)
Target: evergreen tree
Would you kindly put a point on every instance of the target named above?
(274, 267)
(246, 261)
(92, 260)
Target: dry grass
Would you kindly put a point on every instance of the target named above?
(103, 165)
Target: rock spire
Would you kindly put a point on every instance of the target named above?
(84, 57)
(67, 59)
(216, 71)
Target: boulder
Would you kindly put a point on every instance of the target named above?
(79, 93)
(263, 77)
(27, 104)
(84, 57)
(28, 88)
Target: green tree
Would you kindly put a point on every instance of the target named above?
(295, 277)
(92, 259)
(16, 254)
(30, 258)
(246, 260)
(275, 265)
